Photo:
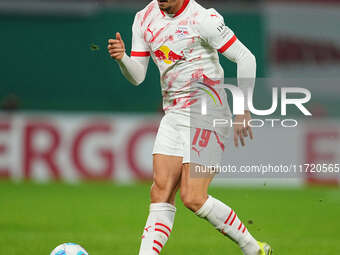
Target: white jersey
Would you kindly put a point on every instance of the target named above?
(185, 47)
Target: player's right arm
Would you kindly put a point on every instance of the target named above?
(134, 68)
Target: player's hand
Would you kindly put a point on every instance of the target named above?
(241, 128)
(116, 47)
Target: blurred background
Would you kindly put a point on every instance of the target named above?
(67, 113)
(68, 116)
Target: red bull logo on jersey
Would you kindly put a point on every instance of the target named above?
(168, 56)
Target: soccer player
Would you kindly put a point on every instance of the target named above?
(184, 39)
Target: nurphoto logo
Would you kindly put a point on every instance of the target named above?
(243, 99)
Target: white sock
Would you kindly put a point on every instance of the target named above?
(226, 221)
(157, 228)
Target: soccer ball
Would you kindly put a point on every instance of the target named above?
(69, 249)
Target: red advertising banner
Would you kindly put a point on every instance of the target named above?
(71, 148)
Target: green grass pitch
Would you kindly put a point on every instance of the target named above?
(108, 219)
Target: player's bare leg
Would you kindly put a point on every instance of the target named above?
(194, 194)
(166, 179)
(166, 176)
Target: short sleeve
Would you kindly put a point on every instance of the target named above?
(215, 32)
(139, 47)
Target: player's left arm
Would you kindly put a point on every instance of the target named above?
(246, 75)
(222, 38)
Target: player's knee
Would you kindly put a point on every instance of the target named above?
(160, 193)
(192, 201)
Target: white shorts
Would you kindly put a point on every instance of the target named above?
(175, 137)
